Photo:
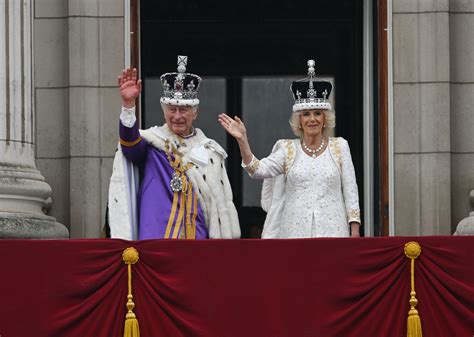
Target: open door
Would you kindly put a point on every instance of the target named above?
(248, 53)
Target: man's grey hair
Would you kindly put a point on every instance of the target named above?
(163, 107)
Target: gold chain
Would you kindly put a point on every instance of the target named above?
(179, 170)
(176, 163)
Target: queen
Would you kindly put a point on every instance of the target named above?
(310, 188)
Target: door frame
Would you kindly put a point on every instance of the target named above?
(382, 149)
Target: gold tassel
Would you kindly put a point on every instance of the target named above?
(130, 256)
(412, 251)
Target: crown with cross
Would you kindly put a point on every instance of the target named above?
(180, 88)
(310, 93)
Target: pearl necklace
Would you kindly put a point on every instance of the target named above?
(314, 153)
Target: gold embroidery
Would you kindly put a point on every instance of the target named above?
(354, 214)
(290, 155)
(128, 144)
(253, 166)
(335, 146)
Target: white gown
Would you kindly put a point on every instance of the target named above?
(320, 197)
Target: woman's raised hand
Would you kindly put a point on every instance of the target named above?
(235, 127)
(130, 87)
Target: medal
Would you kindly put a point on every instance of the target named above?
(176, 183)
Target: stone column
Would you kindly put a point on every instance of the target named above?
(23, 190)
(421, 113)
(461, 21)
(96, 57)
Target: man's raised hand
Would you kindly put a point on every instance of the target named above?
(130, 87)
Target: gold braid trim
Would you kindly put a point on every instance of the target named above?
(412, 251)
(179, 220)
(190, 227)
(129, 144)
(172, 215)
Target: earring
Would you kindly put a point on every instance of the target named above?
(324, 125)
(299, 126)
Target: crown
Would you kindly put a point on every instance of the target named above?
(309, 93)
(180, 88)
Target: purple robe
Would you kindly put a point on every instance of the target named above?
(162, 212)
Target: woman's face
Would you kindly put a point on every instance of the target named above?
(180, 119)
(312, 122)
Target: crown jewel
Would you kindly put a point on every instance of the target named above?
(180, 88)
(310, 93)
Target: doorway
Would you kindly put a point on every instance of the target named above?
(248, 52)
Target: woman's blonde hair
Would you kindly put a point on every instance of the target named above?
(329, 120)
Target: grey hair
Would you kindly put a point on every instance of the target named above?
(329, 120)
(164, 105)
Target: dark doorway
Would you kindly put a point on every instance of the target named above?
(249, 39)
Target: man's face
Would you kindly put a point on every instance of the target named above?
(180, 119)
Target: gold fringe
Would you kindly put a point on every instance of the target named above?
(412, 251)
(130, 256)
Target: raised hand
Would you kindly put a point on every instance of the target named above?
(130, 87)
(235, 127)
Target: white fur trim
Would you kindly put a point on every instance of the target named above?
(210, 181)
(213, 145)
(179, 101)
(122, 218)
(309, 106)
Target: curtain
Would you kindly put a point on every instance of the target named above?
(237, 288)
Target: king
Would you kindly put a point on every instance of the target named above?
(169, 181)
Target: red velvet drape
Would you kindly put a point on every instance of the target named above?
(237, 288)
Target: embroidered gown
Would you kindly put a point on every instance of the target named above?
(320, 194)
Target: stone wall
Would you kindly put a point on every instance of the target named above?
(79, 52)
(422, 117)
(461, 23)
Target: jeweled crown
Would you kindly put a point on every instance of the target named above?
(310, 93)
(180, 88)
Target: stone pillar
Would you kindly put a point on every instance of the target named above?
(421, 113)
(461, 21)
(23, 190)
(96, 57)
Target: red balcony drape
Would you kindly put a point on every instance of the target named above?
(237, 288)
